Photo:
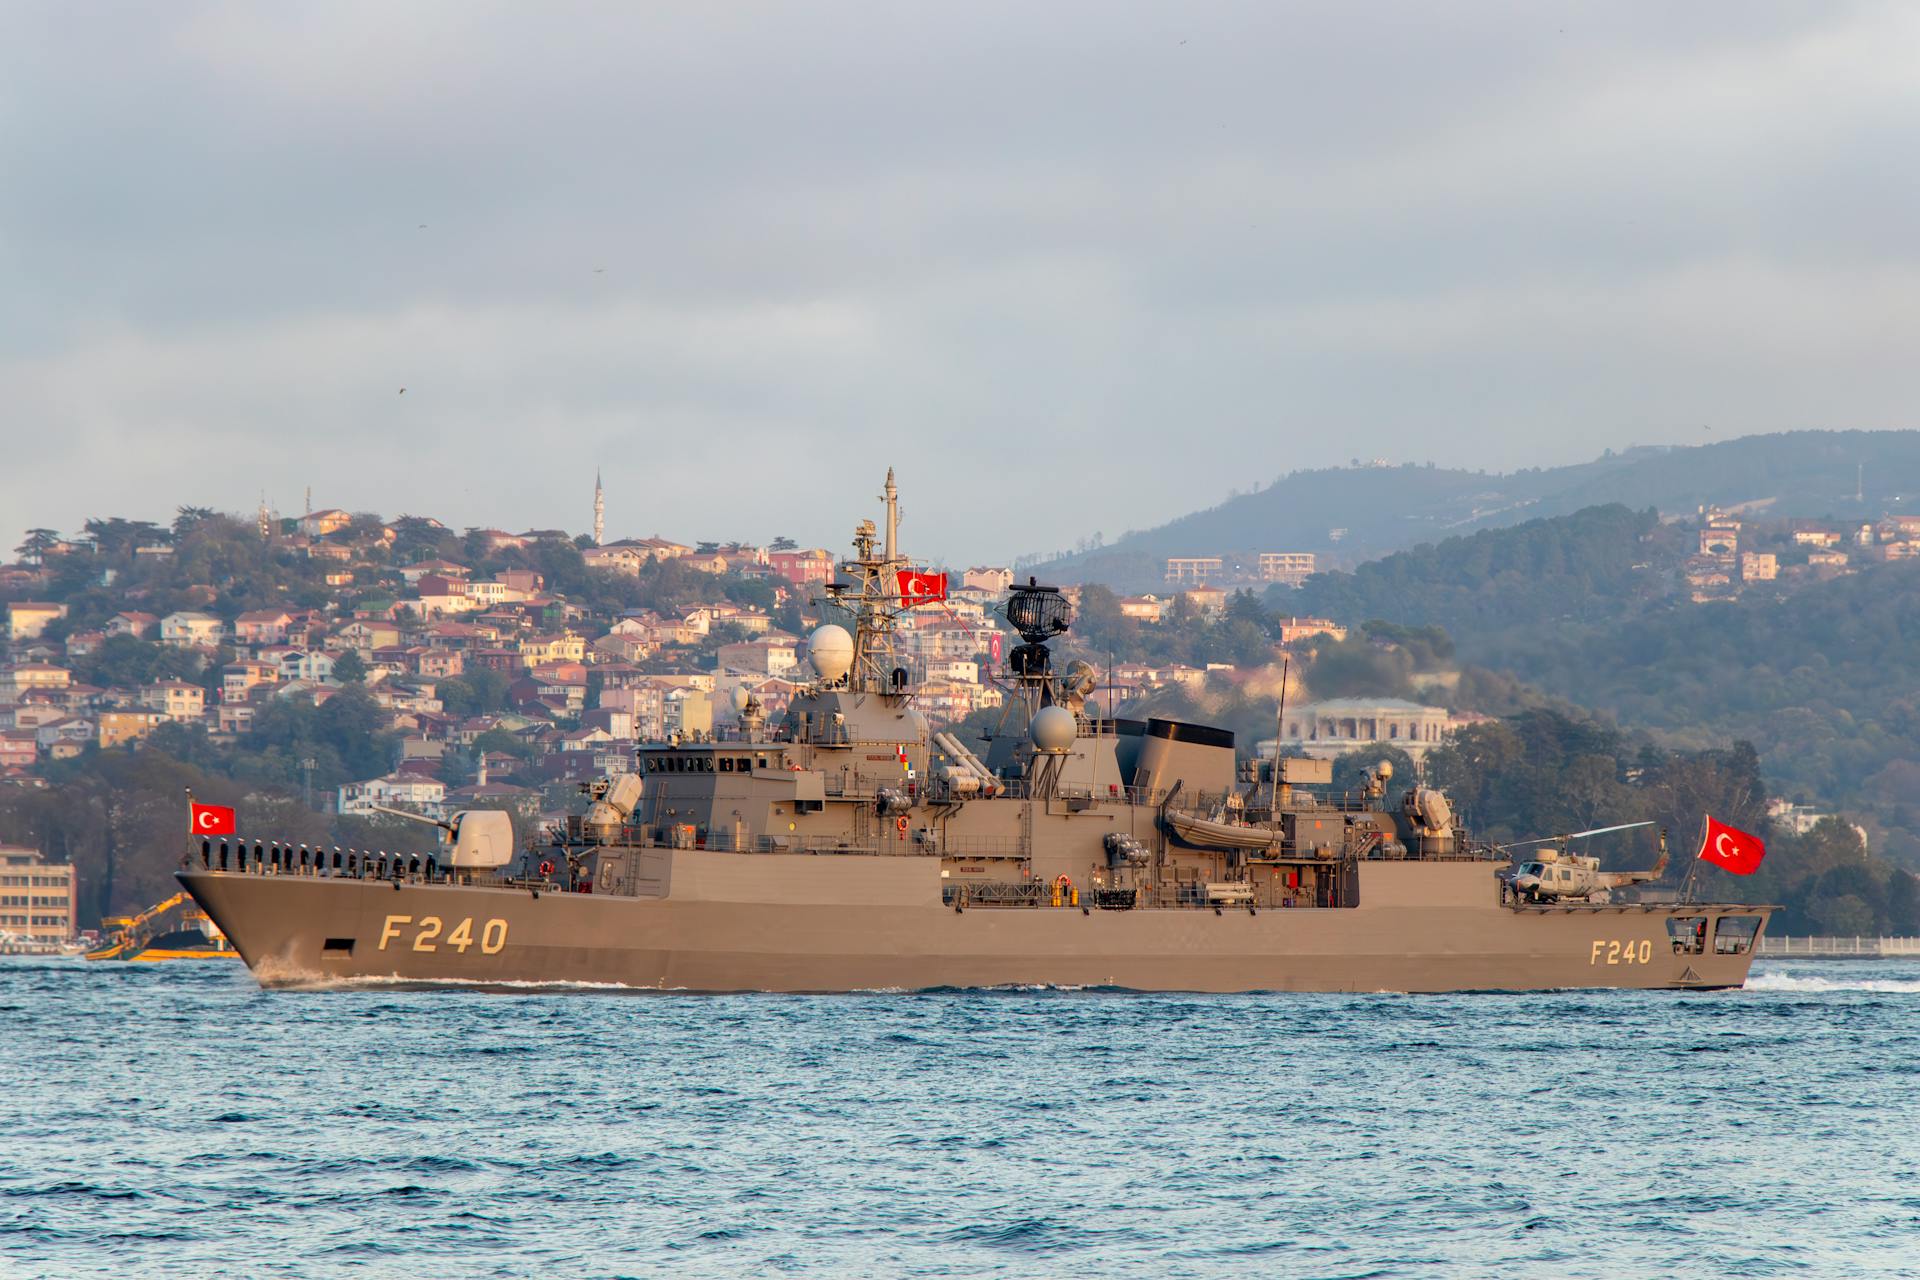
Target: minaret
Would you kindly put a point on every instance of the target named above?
(599, 510)
(893, 519)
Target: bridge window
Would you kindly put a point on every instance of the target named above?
(1689, 934)
(1733, 935)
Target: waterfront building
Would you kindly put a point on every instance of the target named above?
(1338, 725)
(37, 899)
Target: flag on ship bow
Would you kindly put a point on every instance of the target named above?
(210, 819)
(922, 588)
(1731, 849)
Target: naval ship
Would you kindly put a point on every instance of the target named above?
(849, 845)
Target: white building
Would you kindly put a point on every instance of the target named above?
(1339, 725)
(421, 795)
(189, 628)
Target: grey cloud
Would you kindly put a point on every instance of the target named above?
(1066, 271)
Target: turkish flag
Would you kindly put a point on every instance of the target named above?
(922, 588)
(210, 820)
(1732, 849)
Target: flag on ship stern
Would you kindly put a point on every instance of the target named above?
(1731, 849)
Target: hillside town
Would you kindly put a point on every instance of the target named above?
(568, 687)
(578, 686)
(1740, 550)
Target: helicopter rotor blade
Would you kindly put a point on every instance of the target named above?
(1574, 835)
(1600, 831)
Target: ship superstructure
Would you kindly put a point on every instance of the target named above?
(852, 846)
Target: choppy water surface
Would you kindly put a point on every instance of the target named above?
(174, 1120)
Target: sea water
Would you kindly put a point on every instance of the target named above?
(175, 1120)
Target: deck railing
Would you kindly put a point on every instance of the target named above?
(1832, 947)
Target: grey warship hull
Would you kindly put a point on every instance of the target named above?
(795, 923)
(854, 846)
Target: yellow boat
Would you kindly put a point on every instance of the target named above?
(134, 937)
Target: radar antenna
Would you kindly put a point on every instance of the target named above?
(1039, 614)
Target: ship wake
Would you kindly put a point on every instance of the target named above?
(1816, 985)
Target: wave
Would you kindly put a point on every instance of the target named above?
(391, 981)
(1816, 985)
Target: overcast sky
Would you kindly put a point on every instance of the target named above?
(1069, 267)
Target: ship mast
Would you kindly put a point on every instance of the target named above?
(874, 573)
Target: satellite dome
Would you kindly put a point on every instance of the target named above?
(1384, 769)
(741, 697)
(830, 650)
(1052, 731)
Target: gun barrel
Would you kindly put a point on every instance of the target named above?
(412, 817)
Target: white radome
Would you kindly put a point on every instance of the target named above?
(1052, 731)
(830, 650)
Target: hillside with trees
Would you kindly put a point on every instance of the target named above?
(1381, 509)
(1825, 684)
(1541, 772)
(1582, 610)
(1586, 567)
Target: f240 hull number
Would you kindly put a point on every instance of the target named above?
(1622, 951)
(429, 933)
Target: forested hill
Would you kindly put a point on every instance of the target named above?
(1825, 683)
(1386, 509)
(1821, 679)
(1588, 566)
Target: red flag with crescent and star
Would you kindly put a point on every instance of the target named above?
(1732, 849)
(210, 819)
(922, 588)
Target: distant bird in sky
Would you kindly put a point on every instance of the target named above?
(599, 271)
(423, 226)
(403, 391)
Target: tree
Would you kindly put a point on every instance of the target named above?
(475, 692)
(1099, 623)
(350, 668)
(1351, 769)
(187, 519)
(1353, 668)
(38, 543)
(125, 662)
(116, 536)
(1903, 903)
